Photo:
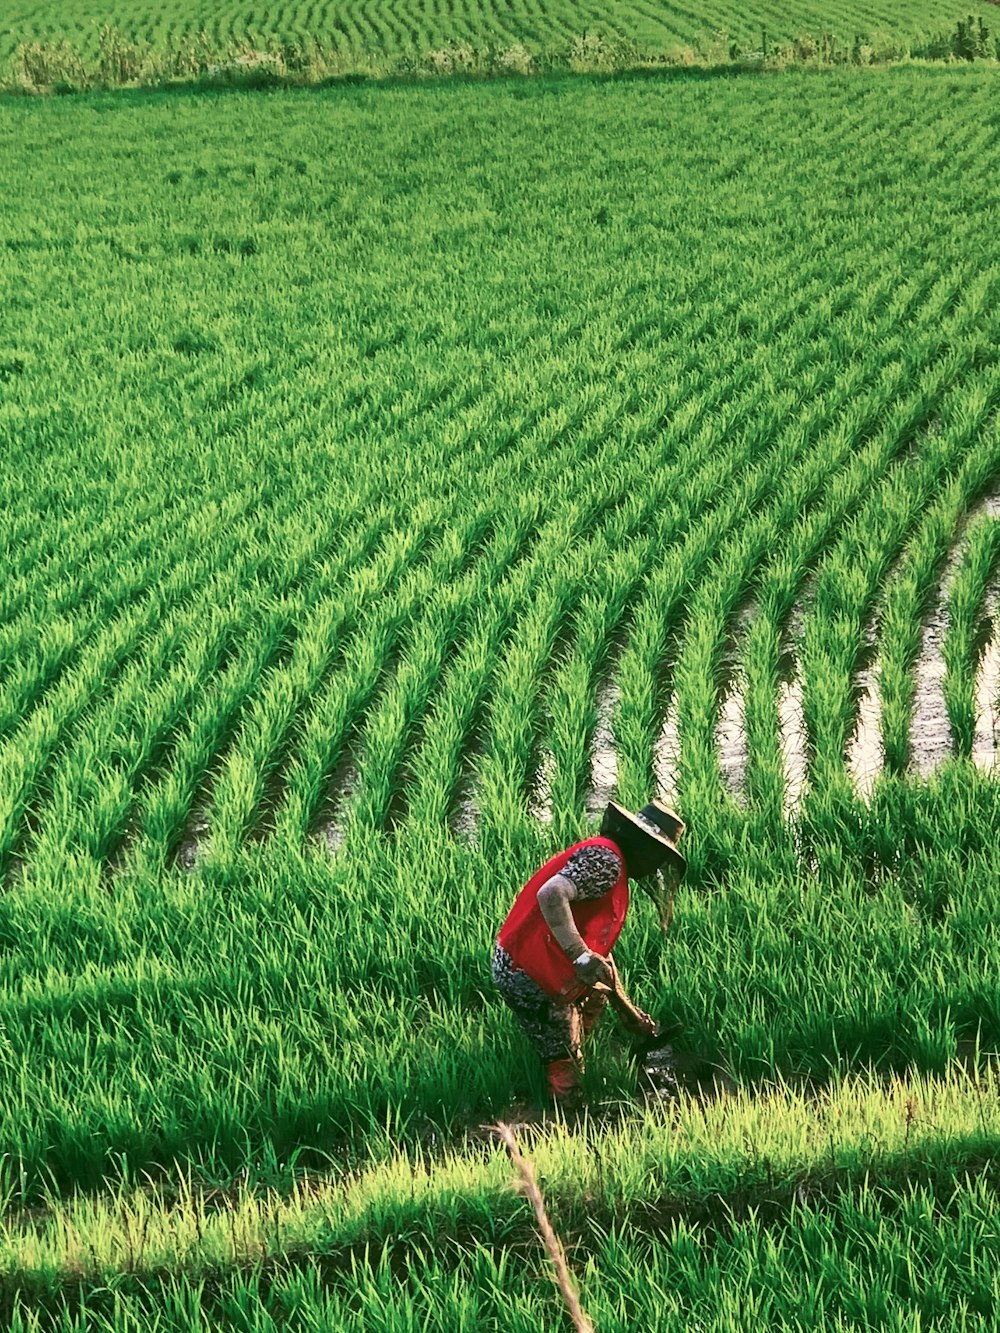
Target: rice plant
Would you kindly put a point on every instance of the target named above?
(377, 460)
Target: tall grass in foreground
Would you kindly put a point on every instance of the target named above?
(771, 1200)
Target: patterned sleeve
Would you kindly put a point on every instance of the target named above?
(593, 870)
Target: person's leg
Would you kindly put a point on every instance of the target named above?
(552, 1028)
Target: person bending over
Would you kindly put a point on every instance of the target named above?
(551, 961)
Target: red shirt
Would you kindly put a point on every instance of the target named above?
(532, 947)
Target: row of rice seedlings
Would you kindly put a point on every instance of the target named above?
(462, 540)
(204, 759)
(641, 705)
(611, 493)
(312, 647)
(436, 766)
(324, 728)
(143, 555)
(246, 766)
(314, 642)
(69, 559)
(610, 411)
(54, 655)
(43, 645)
(495, 589)
(776, 767)
(776, 772)
(240, 558)
(907, 597)
(129, 561)
(712, 472)
(93, 791)
(86, 555)
(139, 565)
(849, 578)
(704, 472)
(389, 726)
(718, 481)
(772, 720)
(570, 708)
(673, 426)
(964, 643)
(700, 662)
(26, 755)
(728, 580)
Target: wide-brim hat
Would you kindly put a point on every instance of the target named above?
(660, 827)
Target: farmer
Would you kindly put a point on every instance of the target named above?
(554, 947)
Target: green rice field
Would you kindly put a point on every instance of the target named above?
(391, 476)
(362, 36)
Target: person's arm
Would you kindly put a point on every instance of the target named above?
(554, 898)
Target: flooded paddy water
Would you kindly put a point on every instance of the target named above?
(931, 738)
(667, 753)
(332, 824)
(794, 753)
(987, 736)
(865, 753)
(731, 737)
(194, 839)
(603, 756)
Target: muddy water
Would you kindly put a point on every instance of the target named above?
(931, 739)
(331, 828)
(667, 754)
(730, 729)
(540, 802)
(731, 738)
(792, 721)
(603, 757)
(465, 818)
(930, 730)
(603, 783)
(865, 755)
(194, 839)
(667, 1072)
(987, 736)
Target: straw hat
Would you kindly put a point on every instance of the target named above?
(659, 827)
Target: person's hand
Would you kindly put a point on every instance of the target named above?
(594, 970)
(644, 1026)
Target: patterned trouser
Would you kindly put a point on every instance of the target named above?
(555, 1029)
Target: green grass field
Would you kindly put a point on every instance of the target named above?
(359, 36)
(390, 476)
